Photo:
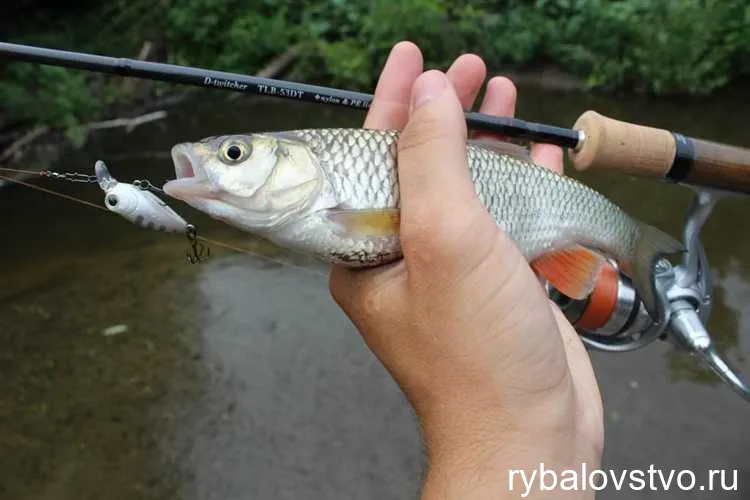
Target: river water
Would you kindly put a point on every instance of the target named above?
(239, 377)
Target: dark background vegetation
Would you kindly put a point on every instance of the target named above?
(670, 47)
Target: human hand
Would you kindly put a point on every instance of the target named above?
(496, 374)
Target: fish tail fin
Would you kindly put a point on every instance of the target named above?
(572, 270)
(651, 245)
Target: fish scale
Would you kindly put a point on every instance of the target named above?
(361, 164)
(537, 208)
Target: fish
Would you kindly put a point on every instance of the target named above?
(333, 193)
(137, 205)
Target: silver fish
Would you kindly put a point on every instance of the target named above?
(334, 193)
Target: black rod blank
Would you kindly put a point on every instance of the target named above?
(511, 127)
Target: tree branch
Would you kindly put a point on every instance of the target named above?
(128, 123)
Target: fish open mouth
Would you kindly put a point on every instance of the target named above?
(183, 165)
(191, 179)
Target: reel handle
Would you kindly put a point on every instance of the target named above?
(658, 153)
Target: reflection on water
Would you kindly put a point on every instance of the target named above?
(239, 378)
(736, 298)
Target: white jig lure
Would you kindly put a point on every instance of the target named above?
(139, 206)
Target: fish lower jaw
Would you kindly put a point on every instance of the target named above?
(257, 223)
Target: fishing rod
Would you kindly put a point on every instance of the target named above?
(612, 318)
(594, 142)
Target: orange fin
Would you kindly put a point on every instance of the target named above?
(373, 222)
(573, 270)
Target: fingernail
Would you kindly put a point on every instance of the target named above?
(428, 86)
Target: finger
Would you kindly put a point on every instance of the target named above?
(432, 149)
(548, 155)
(499, 100)
(390, 104)
(467, 74)
(437, 193)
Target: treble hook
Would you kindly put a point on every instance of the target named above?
(197, 251)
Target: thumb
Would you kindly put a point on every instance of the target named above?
(438, 197)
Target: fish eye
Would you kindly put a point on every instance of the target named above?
(233, 152)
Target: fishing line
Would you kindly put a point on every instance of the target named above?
(48, 191)
(18, 171)
(103, 208)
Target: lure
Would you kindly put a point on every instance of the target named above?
(136, 204)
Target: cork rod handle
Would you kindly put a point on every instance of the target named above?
(658, 153)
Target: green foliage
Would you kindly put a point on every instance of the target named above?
(65, 98)
(53, 95)
(668, 47)
(674, 46)
(232, 35)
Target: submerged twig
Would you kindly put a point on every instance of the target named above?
(129, 85)
(140, 155)
(128, 123)
(27, 138)
(276, 66)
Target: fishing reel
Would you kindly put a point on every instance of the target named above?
(613, 318)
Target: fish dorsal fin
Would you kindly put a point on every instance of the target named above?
(572, 270)
(287, 136)
(502, 147)
(366, 222)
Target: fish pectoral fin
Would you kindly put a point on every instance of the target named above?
(573, 270)
(367, 222)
